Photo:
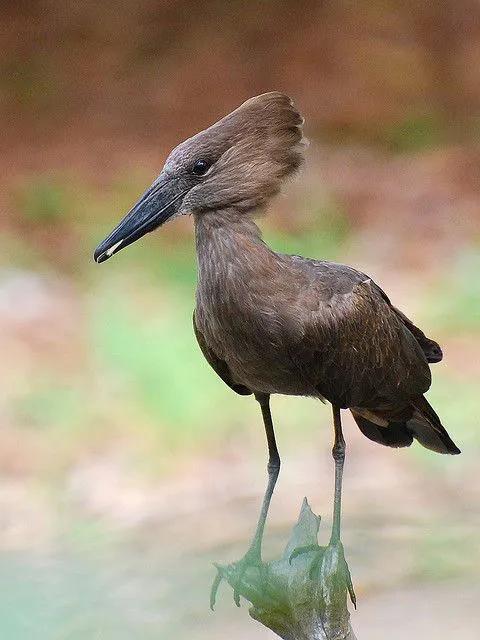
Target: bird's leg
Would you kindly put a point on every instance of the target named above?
(334, 569)
(273, 469)
(338, 453)
(253, 557)
(330, 561)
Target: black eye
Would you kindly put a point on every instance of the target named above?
(200, 167)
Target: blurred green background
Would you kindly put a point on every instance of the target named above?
(127, 467)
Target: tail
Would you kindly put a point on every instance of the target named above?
(419, 421)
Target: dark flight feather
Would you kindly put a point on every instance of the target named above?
(423, 424)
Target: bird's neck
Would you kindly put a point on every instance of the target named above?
(229, 248)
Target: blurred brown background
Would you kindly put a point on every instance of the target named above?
(126, 467)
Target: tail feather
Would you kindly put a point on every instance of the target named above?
(423, 424)
(395, 434)
(428, 430)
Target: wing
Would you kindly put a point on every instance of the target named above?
(364, 352)
(380, 364)
(430, 348)
(219, 366)
(350, 277)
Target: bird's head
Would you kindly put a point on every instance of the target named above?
(238, 163)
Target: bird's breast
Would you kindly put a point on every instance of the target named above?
(255, 340)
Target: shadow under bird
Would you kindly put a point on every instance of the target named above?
(273, 323)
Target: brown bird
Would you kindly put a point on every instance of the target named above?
(273, 323)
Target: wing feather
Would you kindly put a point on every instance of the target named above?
(218, 365)
(366, 351)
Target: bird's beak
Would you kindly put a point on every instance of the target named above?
(159, 203)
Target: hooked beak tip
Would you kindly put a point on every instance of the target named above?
(101, 255)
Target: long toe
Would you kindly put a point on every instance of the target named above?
(217, 581)
(251, 560)
(237, 576)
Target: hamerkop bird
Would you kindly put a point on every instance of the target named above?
(273, 323)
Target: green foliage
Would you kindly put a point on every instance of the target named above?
(326, 237)
(43, 199)
(456, 299)
(51, 405)
(165, 262)
(455, 400)
(149, 348)
(448, 552)
(414, 133)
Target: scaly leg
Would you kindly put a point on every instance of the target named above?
(334, 565)
(253, 557)
(273, 469)
(338, 453)
(330, 561)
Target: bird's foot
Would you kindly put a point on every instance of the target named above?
(334, 572)
(235, 573)
(330, 568)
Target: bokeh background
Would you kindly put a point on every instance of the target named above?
(127, 468)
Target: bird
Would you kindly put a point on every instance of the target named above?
(271, 323)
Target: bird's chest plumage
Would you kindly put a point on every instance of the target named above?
(251, 341)
(246, 309)
(248, 327)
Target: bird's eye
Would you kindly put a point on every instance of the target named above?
(200, 167)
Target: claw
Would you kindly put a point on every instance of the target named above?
(348, 578)
(234, 574)
(238, 582)
(216, 584)
(351, 591)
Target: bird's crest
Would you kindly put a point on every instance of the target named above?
(251, 151)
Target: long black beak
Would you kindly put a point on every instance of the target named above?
(159, 203)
